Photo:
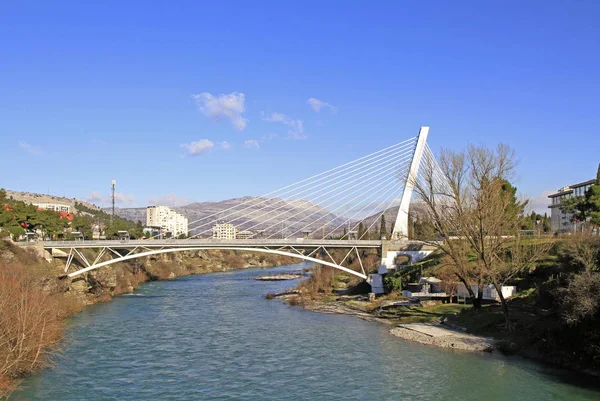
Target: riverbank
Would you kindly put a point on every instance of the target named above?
(443, 337)
(422, 324)
(460, 327)
(36, 325)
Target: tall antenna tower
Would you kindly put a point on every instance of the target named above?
(113, 185)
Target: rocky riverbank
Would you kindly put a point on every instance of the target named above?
(434, 333)
(279, 277)
(333, 307)
(443, 337)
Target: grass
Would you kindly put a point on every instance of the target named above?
(525, 318)
(486, 321)
(423, 314)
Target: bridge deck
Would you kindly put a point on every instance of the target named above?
(213, 243)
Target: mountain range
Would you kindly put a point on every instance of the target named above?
(251, 213)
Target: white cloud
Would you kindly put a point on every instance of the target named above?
(120, 198)
(251, 144)
(231, 106)
(169, 200)
(296, 126)
(277, 118)
(540, 203)
(282, 118)
(269, 137)
(296, 135)
(197, 148)
(95, 197)
(99, 142)
(225, 145)
(317, 105)
(33, 150)
(124, 199)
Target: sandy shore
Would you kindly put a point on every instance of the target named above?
(441, 336)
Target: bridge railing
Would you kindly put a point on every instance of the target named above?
(213, 242)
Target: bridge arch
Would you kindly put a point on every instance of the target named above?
(204, 248)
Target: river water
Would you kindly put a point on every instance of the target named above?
(216, 337)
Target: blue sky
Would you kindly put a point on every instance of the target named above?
(138, 91)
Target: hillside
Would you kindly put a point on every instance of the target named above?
(29, 197)
(265, 213)
(390, 214)
(258, 214)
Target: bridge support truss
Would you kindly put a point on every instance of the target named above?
(108, 255)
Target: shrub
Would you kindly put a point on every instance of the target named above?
(29, 325)
(392, 283)
(580, 299)
(234, 261)
(580, 253)
(319, 282)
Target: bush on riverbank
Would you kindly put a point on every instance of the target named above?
(319, 283)
(30, 324)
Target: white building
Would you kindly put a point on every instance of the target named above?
(57, 207)
(489, 292)
(224, 231)
(168, 219)
(245, 234)
(559, 220)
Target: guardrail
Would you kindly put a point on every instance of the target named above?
(210, 242)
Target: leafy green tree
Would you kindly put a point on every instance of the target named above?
(373, 234)
(546, 223)
(423, 229)
(361, 230)
(83, 224)
(587, 207)
(382, 228)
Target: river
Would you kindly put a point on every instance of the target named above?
(216, 337)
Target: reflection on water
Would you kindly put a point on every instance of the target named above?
(215, 337)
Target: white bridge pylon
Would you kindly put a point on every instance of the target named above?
(337, 209)
(401, 226)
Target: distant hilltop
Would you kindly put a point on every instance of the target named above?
(258, 214)
(29, 197)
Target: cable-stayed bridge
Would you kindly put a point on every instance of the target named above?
(305, 219)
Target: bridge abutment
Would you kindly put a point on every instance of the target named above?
(390, 250)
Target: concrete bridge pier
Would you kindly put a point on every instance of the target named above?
(390, 250)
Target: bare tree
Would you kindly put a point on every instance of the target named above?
(472, 205)
(29, 325)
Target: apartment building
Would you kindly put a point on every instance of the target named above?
(171, 222)
(559, 220)
(224, 231)
(57, 207)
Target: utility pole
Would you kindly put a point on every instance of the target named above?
(113, 185)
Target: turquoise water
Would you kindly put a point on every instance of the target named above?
(215, 337)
